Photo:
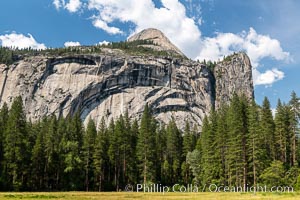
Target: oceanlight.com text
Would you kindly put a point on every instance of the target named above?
(190, 188)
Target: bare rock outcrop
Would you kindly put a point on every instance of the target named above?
(161, 42)
(233, 75)
(112, 82)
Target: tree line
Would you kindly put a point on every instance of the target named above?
(240, 143)
(8, 55)
(59, 154)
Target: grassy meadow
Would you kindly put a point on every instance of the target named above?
(147, 196)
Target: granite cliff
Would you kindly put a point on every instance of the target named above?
(111, 82)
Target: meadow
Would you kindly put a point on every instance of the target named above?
(147, 196)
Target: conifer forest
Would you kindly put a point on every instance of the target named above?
(242, 143)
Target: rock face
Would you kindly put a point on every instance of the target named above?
(233, 75)
(111, 83)
(162, 43)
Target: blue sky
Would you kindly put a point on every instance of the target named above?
(267, 30)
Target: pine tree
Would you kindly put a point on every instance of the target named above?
(237, 133)
(146, 146)
(128, 144)
(267, 130)
(221, 144)
(256, 152)
(174, 152)
(38, 158)
(72, 146)
(52, 141)
(3, 122)
(88, 152)
(244, 104)
(189, 139)
(193, 160)
(160, 141)
(288, 134)
(100, 157)
(294, 120)
(16, 150)
(115, 149)
(132, 168)
(59, 181)
(123, 136)
(211, 150)
(273, 175)
(280, 133)
(188, 145)
(208, 149)
(111, 151)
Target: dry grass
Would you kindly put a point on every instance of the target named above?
(146, 196)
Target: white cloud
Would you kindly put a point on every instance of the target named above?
(268, 77)
(58, 4)
(255, 45)
(71, 44)
(223, 44)
(104, 42)
(261, 46)
(20, 41)
(170, 19)
(98, 23)
(73, 5)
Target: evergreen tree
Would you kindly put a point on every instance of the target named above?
(146, 147)
(60, 166)
(244, 104)
(273, 175)
(72, 146)
(280, 133)
(221, 144)
(188, 145)
(128, 150)
(88, 152)
(38, 159)
(294, 120)
(291, 176)
(256, 152)
(174, 152)
(237, 133)
(208, 148)
(3, 122)
(267, 127)
(124, 151)
(192, 159)
(114, 151)
(111, 151)
(160, 141)
(52, 151)
(189, 139)
(288, 120)
(16, 149)
(100, 157)
(132, 168)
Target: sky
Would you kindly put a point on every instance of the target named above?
(267, 30)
